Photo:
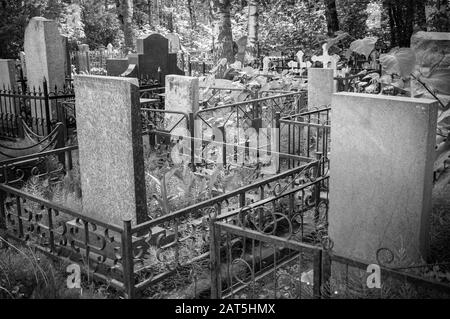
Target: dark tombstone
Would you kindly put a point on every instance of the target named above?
(115, 67)
(153, 55)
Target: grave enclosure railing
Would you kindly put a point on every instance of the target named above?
(34, 109)
(271, 226)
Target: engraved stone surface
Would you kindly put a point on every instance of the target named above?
(110, 148)
(381, 177)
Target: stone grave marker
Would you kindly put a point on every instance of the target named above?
(302, 64)
(109, 50)
(325, 58)
(153, 55)
(382, 175)
(321, 87)
(116, 67)
(182, 94)
(266, 64)
(174, 42)
(67, 66)
(8, 74)
(110, 148)
(44, 54)
(83, 58)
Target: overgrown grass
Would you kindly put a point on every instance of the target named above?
(26, 274)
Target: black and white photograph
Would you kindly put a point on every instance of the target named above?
(227, 155)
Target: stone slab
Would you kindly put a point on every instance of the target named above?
(110, 148)
(44, 53)
(382, 157)
(321, 87)
(116, 67)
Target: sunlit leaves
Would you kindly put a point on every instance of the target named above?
(364, 46)
(399, 61)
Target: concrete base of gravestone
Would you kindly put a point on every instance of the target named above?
(116, 67)
(381, 177)
(8, 74)
(321, 87)
(44, 54)
(110, 148)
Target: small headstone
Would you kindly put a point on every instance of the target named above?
(110, 148)
(67, 66)
(382, 176)
(110, 49)
(116, 67)
(266, 64)
(302, 64)
(44, 53)
(321, 87)
(83, 58)
(174, 43)
(293, 65)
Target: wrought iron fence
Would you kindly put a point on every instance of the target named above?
(37, 108)
(279, 222)
(306, 134)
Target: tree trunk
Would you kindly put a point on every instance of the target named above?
(191, 14)
(253, 27)
(401, 20)
(223, 37)
(332, 17)
(127, 12)
(421, 17)
(150, 12)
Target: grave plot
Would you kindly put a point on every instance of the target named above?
(164, 235)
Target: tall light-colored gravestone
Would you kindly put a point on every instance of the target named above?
(182, 94)
(44, 53)
(321, 87)
(110, 148)
(8, 74)
(381, 177)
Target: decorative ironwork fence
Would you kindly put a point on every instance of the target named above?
(37, 108)
(306, 134)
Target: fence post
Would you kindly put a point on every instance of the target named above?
(192, 131)
(278, 139)
(326, 272)
(127, 260)
(317, 187)
(2, 207)
(47, 107)
(215, 259)
(317, 270)
(224, 145)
